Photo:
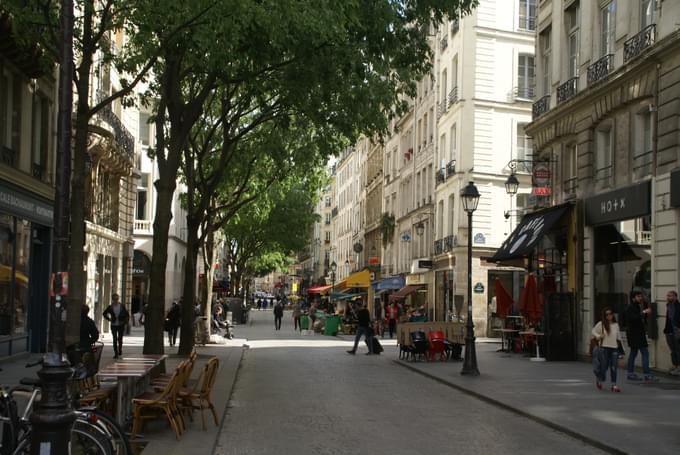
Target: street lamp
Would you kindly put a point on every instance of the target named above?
(511, 185)
(420, 228)
(334, 267)
(470, 197)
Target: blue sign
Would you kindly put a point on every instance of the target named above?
(479, 238)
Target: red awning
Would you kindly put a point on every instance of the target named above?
(318, 290)
(406, 291)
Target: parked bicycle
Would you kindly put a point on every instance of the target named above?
(93, 432)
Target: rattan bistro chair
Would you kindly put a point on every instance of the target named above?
(199, 396)
(149, 405)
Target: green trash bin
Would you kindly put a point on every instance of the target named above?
(332, 324)
(304, 322)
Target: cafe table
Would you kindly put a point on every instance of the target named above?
(503, 332)
(128, 372)
(535, 334)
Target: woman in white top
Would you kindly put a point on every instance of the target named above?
(608, 335)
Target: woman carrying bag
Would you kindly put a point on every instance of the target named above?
(608, 337)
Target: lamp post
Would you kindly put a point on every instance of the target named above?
(334, 267)
(470, 197)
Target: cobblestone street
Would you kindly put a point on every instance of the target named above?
(302, 394)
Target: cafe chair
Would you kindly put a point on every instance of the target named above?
(198, 397)
(152, 405)
(436, 345)
(419, 345)
(163, 379)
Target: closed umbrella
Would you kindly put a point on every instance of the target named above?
(503, 300)
(529, 303)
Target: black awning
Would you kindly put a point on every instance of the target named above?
(523, 239)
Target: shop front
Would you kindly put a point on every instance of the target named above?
(620, 227)
(448, 305)
(25, 233)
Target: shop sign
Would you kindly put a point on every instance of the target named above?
(541, 191)
(541, 174)
(479, 288)
(479, 239)
(406, 236)
(416, 278)
(26, 206)
(622, 204)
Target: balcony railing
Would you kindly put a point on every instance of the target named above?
(444, 43)
(600, 69)
(450, 242)
(570, 185)
(441, 109)
(8, 156)
(526, 93)
(603, 175)
(38, 171)
(634, 46)
(438, 246)
(334, 212)
(540, 107)
(643, 237)
(451, 168)
(567, 90)
(642, 164)
(453, 96)
(441, 176)
(143, 225)
(121, 135)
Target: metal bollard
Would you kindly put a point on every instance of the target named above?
(52, 417)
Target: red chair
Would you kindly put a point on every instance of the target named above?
(437, 345)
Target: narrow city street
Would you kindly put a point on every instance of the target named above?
(303, 394)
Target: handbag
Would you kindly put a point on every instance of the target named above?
(619, 349)
(594, 343)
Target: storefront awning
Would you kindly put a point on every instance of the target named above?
(525, 236)
(406, 291)
(389, 283)
(336, 297)
(360, 279)
(318, 289)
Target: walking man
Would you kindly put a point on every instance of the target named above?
(278, 314)
(297, 312)
(118, 316)
(636, 317)
(173, 320)
(363, 328)
(672, 330)
(392, 315)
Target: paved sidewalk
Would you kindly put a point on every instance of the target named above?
(643, 419)
(158, 437)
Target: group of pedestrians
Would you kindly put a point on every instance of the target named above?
(607, 335)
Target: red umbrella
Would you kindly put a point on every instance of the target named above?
(530, 303)
(503, 300)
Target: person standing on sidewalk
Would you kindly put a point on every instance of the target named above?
(363, 328)
(672, 330)
(636, 316)
(172, 322)
(118, 316)
(278, 314)
(608, 335)
(392, 315)
(297, 312)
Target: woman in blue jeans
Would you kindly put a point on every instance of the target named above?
(608, 335)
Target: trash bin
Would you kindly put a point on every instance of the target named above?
(304, 322)
(332, 324)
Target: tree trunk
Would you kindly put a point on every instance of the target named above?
(206, 295)
(186, 341)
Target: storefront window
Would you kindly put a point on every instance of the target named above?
(21, 274)
(6, 258)
(622, 263)
(15, 243)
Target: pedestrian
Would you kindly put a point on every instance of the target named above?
(172, 322)
(119, 317)
(672, 330)
(606, 331)
(259, 304)
(312, 315)
(278, 314)
(637, 312)
(88, 330)
(363, 328)
(264, 304)
(392, 315)
(297, 312)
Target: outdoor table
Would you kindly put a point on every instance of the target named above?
(538, 357)
(128, 373)
(503, 332)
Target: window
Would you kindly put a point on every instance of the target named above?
(524, 145)
(570, 168)
(642, 143)
(608, 28)
(525, 76)
(647, 13)
(452, 200)
(40, 136)
(442, 151)
(142, 197)
(546, 50)
(603, 157)
(328, 218)
(527, 14)
(144, 130)
(572, 22)
(444, 87)
(11, 91)
(440, 219)
(453, 143)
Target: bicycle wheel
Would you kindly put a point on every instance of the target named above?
(24, 446)
(87, 439)
(120, 443)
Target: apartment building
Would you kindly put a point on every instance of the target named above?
(344, 214)
(609, 78)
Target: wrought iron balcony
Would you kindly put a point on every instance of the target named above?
(526, 93)
(635, 45)
(540, 107)
(441, 176)
(600, 69)
(449, 242)
(438, 246)
(38, 171)
(567, 90)
(121, 135)
(453, 96)
(451, 168)
(8, 156)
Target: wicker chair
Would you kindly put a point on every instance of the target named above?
(153, 402)
(198, 397)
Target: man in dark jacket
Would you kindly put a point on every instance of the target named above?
(672, 330)
(88, 330)
(119, 317)
(363, 328)
(278, 314)
(636, 316)
(172, 323)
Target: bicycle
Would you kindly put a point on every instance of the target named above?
(92, 433)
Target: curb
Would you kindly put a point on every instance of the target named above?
(559, 428)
